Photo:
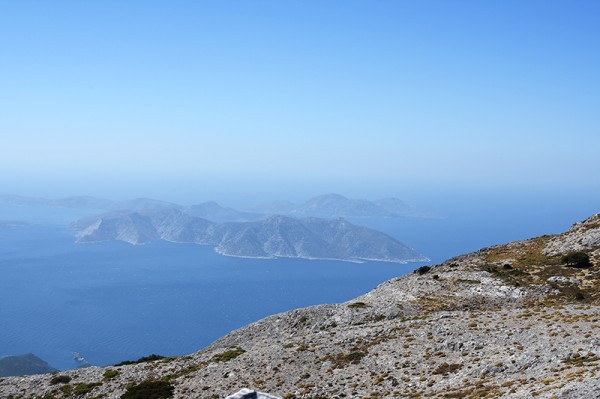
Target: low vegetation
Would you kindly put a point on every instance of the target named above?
(109, 374)
(60, 379)
(84, 388)
(149, 390)
(341, 360)
(577, 259)
(144, 359)
(229, 354)
(422, 270)
(445, 368)
(357, 305)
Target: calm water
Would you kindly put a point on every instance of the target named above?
(115, 301)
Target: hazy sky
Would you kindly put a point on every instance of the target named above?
(318, 95)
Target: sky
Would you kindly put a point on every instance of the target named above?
(181, 99)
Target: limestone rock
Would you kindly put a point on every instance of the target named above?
(564, 280)
(581, 236)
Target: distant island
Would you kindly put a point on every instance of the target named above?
(317, 229)
(323, 206)
(23, 365)
(272, 237)
(336, 205)
(209, 210)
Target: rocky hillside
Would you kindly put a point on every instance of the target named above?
(275, 236)
(520, 320)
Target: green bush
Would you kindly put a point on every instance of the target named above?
(110, 374)
(144, 359)
(577, 259)
(82, 388)
(149, 390)
(60, 379)
(422, 270)
(229, 354)
(66, 389)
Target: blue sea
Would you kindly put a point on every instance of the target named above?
(114, 301)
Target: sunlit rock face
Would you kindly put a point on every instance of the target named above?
(273, 237)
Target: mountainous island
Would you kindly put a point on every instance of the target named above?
(324, 206)
(336, 205)
(23, 365)
(264, 232)
(519, 320)
(209, 210)
(274, 236)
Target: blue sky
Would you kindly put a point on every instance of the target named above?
(185, 97)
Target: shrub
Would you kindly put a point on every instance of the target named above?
(357, 305)
(110, 374)
(354, 357)
(149, 390)
(229, 354)
(82, 388)
(60, 379)
(66, 389)
(144, 359)
(445, 368)
(422, 270)
(577, 259)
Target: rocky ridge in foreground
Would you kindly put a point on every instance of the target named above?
(516, 321)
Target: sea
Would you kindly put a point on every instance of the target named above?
(114, 301)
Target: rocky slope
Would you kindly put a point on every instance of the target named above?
(275, 236)
(511, 321)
